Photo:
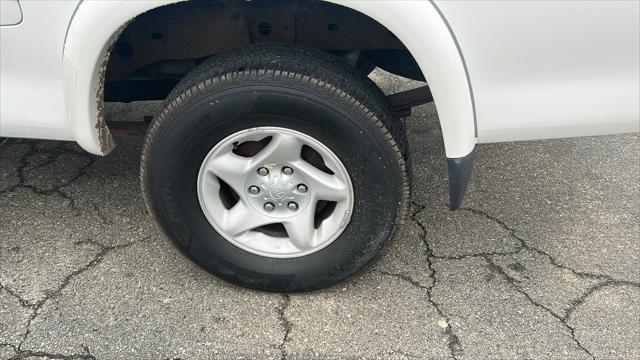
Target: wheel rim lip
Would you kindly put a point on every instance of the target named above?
(318, 146)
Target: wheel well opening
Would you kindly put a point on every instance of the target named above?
(159, 47)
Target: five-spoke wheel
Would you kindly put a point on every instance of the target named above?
(277, 168)
(257, 181)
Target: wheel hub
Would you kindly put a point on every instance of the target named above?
(280, 185)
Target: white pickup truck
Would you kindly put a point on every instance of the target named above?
(275, 162)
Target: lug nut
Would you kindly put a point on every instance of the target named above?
(263, 171)
(254, 189)
(292, 206)
(302, 188)
(269, 206)
(287, 170)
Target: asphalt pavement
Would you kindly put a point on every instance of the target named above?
(542, 261)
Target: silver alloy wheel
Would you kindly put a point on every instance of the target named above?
(275, 186)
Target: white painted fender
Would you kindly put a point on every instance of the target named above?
(418, 24)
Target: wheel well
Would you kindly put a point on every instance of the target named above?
(159, 47)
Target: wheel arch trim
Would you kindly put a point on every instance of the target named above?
(85, 56)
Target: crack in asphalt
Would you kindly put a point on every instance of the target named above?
(493, 267)
(23, 302)
(453, 341)
(104, 250)
(554, 261)
(398, 352)
(476, 255)
(575, 304)
(286, 324)
(24, 167)
(27, 354)
(104, 219)
(7, 344)
(605, 280)
(403, 277)
(51, 157)
(24, 354)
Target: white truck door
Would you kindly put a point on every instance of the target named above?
(31, 45)
(545, 69)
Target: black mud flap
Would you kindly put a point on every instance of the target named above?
(459, 174)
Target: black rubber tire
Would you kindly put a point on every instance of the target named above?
(299, 88)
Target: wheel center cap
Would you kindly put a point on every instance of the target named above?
(279, 189)
(277, 192)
